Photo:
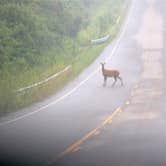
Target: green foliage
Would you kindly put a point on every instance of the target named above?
(40, 37)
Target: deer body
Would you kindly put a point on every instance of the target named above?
(110, 73)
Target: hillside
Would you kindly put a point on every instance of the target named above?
(39, 38)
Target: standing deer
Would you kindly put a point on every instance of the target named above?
(110, 73)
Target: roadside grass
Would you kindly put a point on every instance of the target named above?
(85, 54)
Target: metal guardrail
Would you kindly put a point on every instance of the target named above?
(105, 38)
(43, 81)
(93, 41)
(100, 40)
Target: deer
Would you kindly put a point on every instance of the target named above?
(110, 73)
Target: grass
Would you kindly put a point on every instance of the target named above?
(86, 54)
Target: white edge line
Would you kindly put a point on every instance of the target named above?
(54, 102)
(80, 84)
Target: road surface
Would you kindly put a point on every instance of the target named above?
(87, 124)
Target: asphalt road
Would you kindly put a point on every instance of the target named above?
(88, 124)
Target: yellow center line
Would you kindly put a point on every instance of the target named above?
(76, 146)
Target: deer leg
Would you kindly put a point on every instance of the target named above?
(115, 79)
(105, 81)
(121, 80)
